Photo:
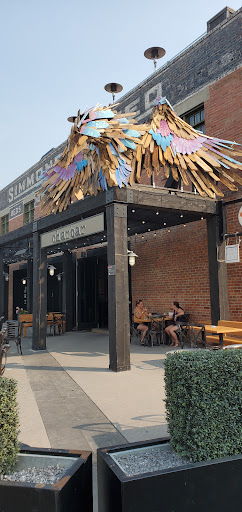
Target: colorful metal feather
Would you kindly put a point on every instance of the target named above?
(107, 149)
(98, 155)
(172, 146)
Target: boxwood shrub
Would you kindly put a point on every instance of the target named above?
(9, 424)
(204, 403)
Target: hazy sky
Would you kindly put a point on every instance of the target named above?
(57, 55)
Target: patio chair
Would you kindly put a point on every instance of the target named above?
(134, 331)
(4, 347)
(13, 334)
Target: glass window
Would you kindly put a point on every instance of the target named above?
(29, 212)
(196, 118)
(4, 224)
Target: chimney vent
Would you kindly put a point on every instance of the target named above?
(219, 18)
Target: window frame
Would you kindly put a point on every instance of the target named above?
(29, 212)
(5, 224)
(200, 125)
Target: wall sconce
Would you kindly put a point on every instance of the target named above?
(6, 276)
(51, 269)
(132, 256)
(24, 280)
(59, 276)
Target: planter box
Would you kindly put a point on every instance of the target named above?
(73, 492)
(207, 486)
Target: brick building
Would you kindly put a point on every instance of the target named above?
(203, 85)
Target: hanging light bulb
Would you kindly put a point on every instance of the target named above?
(51, 270)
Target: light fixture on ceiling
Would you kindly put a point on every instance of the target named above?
(59, 276)
(24, 280)
(51, 269)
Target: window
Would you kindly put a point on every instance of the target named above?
(196, 118)
(29, 212)
(4, 224)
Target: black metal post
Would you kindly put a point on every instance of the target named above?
(118, 288)
(212, 235)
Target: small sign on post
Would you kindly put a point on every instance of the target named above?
(232, 253)
(111, 270)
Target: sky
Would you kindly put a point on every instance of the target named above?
(57, 55)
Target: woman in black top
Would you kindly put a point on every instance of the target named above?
(171, 329)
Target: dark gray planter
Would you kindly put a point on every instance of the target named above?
(72, 493)
(208, 486)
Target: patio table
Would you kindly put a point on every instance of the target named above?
(221, 330)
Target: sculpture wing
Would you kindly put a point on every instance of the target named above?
(98, 154)
(172, 146)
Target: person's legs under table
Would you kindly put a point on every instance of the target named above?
(144, 329)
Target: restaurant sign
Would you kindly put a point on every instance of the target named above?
(84, 227)
(232, 253)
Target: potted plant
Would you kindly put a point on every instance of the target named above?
(62, 479)
(203, 402)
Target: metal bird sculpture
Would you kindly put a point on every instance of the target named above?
(172, 146)
(98, 155)
(107, 149)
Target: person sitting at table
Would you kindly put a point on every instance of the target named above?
(140, 312)
(178, 313)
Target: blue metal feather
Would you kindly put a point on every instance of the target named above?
(113, 150)
(132, 133)
(91, 132)
(98, 124)
(106, 114)
(122, 172)
(102, 180)
(123, 120)
(128, 143)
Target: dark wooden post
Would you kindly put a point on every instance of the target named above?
(39, 294)
(30, 286)
(222, 267)
(118, 289)
(1, 284)
(67, 289)
(212, 234)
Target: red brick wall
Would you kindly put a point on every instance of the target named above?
(173, 266)
(16, 223)
(223, 110)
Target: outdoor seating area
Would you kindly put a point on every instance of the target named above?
(55, 321)
(192, 335)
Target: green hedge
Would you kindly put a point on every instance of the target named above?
(204, 403)
(9, 425)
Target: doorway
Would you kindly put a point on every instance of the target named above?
(92, 282)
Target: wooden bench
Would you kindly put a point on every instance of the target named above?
(228, 339)
(25, 321)
(55, 321)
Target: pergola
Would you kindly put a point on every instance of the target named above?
(122, 208)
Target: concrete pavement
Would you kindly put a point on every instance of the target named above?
(68, 397)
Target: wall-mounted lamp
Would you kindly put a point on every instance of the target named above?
(132, 257)
(51, 269)
(6, 276)
(24, 280)
(59, 276)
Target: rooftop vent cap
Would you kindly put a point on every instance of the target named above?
(219, 18)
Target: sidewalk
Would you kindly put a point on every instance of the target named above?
(69, 398)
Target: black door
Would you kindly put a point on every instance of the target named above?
(92, 292)
(19, 291)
